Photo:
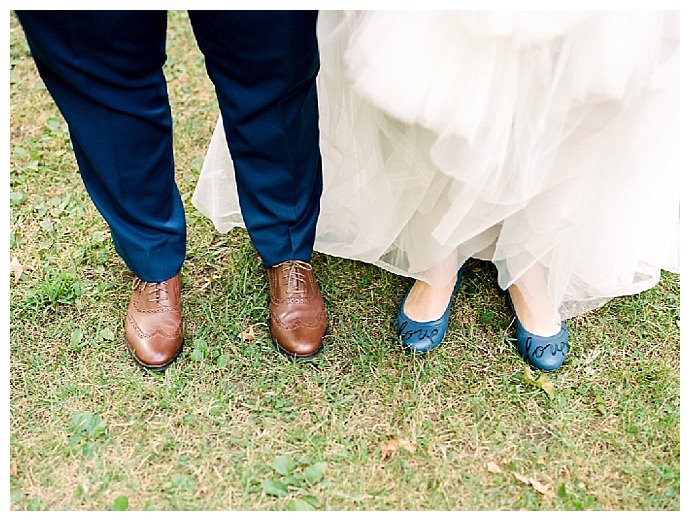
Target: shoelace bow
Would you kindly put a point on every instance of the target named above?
(293, 276)
(158, 289)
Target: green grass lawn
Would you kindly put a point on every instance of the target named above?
(235, 425)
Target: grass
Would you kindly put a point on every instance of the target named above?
(235, 425)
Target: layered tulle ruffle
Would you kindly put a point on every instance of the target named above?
(546, 143)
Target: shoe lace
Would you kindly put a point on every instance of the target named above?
(294, 277)
(159, 290)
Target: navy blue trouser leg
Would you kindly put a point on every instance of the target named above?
(104, 70)
(264, 67)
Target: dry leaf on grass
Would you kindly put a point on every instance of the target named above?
(542, 382)
(248, 335)
(522, 478)
(13, 468)
(541, 488)
(544, 490)
(547, 385)
(408, 445)
(210, 279)
(16, 268)
(390, 447)
(493, 468)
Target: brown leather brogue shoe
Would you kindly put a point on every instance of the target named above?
(298, 314)
(153, 327)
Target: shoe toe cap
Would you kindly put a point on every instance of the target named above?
(549, 354)
(299, 347)
(548, 363)
(420, 337)
(155, 351)
(299, 341)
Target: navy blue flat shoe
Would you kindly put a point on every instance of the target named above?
(422, 337)
(543, 352)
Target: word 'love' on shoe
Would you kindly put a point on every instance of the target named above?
(422, 337)
(543, 352)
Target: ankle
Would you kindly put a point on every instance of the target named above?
(536, 314)
(425, 303)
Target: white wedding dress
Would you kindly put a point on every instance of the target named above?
(546, 143)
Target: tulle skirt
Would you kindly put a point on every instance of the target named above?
(546, 143)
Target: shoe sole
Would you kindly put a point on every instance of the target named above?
(154, 368)
(412, 351)
(295, 356)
